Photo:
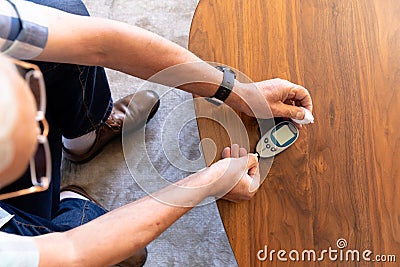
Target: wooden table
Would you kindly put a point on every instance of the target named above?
(341, 179)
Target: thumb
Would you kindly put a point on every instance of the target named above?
(252, 180)
(254, 183)
(252, 160)
(289, 111)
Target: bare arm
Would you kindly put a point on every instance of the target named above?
(135, 51)
(119, 46)
(119, 233)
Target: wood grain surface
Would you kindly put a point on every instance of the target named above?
(341, 179)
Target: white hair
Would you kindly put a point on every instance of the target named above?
(8, 114)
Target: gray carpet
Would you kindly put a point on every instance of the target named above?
(198, 238)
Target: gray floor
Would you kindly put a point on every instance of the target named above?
(198, 238)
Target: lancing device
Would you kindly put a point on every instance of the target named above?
(277, 139)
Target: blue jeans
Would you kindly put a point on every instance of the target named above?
(71, 213)
(78, 101)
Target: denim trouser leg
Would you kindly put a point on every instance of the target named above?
(72, 213)
(78, 101)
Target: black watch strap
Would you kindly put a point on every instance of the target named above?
(226, 86)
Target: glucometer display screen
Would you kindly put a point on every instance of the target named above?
(283, 135)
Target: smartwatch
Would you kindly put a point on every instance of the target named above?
(225, 88)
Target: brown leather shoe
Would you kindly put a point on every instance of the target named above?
(143, 107)
(135, 260)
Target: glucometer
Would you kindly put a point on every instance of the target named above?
(277, 139)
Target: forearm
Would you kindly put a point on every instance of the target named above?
(129, 49)
(151, 57)
(119, 233)
(148, 56)
(132, 50)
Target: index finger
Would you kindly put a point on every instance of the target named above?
(301, 95)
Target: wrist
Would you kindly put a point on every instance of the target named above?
(201, 179)
(236, 99)
(216, 178)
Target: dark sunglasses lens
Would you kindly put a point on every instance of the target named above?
(33, 81)
(40, 163)
(22, 71)
(34, 84)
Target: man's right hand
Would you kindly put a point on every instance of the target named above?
(237, 175)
